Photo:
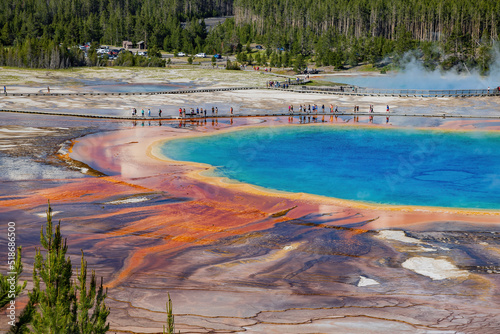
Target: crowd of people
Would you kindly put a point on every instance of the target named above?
(191, 112)
(134, 112)
(314, 109)
(277, 84)
(314, 118)
(204, 112)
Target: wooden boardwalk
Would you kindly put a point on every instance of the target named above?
(297, 88)
(279, 114)
(359, 91)
(170, 92)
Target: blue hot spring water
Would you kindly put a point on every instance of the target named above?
(397, 166)
(417, 78)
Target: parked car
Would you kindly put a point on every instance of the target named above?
(142, 53)
(200, 55)
(103, 49)
(181, 54)
(259, 47)
(217, 56)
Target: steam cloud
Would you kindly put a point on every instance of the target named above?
(415, 76)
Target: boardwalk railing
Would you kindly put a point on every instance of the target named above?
(185, 91)
(353, 90)
(298, 86)
(190, 117)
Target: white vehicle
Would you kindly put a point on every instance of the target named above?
(103, 49)
(181, 54)
(200, 55)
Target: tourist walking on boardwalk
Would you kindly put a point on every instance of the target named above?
(48, 89)
(142, 112)
(213, 110)
(231, 110)
(159, 113)
(205, 111)
(5, 90)
(216, 110)
(180, 112)
(149, 112)
(387, 108)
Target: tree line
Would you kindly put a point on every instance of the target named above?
(447, 33)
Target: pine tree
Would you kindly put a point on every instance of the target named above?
(54, 313)
(57, 304)
(90, 299)
(7, 281)
(170, 328)
(299, 64)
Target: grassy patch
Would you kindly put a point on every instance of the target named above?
(323, 83)
(368, 68)
(181, 73)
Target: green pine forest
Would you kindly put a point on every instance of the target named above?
(340, 33)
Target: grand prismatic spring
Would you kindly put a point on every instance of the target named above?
(403, 167)
(262, 222)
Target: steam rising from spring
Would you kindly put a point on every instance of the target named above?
(415, 76)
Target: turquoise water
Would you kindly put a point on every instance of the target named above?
(417, 80)
(402, 167)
